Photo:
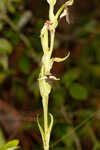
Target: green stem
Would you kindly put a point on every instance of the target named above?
(59, 11)
(52, 41)
(51, 14)
(45, 109)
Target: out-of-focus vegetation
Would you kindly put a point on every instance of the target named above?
(74, 101)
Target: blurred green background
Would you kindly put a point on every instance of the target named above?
(75, 99)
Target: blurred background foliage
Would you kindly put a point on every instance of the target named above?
(74, 101)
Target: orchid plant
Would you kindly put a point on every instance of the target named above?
(47, 63)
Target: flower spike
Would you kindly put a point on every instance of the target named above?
(47, 41)
(65, 13)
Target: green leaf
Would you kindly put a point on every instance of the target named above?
(11, 145)
(78, 92)
(71, 139)
(24, 64)
(59, 97)
(1, 25)
(2, 6)
(4, 62)
(12, 148)
(95, 70)
(14, 38)
(17, 1)
(2, 138)
(5, 46)
(41, 131)
(59, 148)
(11, 8)
(70, 76)
(60, 129)
(2, 76)
(51, 123)
(20, 93)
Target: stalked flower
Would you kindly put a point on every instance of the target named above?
(69, 3)
(65, 13)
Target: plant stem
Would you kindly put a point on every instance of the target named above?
(52, 41)
(45, 109)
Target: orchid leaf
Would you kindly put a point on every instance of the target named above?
(51, 123)
(41, 131)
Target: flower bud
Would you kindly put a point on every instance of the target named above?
(69, 3)
(65, 13)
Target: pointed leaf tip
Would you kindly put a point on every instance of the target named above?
(41, 131)
(51, 123)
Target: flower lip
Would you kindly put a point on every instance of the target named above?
(48, 77)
